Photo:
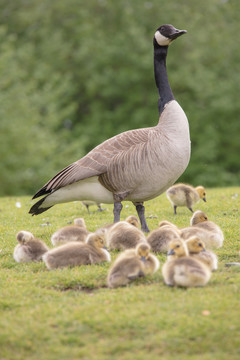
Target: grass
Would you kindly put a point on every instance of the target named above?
(70, 314)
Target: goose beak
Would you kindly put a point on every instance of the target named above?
(204, 199)
(171, 252)
(177, 33)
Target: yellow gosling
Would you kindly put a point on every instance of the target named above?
(182, 270)
(185, 195)
(78, 253)
(196, 248)
(132, 264)
(75, 232)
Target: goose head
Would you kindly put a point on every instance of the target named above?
(97, 240)
(198, 216)
(165, 34)
(195, 245)
(143, 251)
(201, 192)
(24, 236)
(177, 248)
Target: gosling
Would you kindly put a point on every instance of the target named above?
(123, 236)
(185, 195)
(206, 230)
(29, 248)
(132, 264)
(76, 232)
(160, 238)
(78, 253)
(88, 203)
(196, 248)
(182, 270)
(200, 220)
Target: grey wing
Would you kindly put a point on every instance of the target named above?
(97, 161)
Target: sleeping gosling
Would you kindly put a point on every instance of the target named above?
(196, 248)
(180, 269)
(75, 232)
(132, 264)
(123, 236)
(160, 238)
(78, 253)
(88, 203)
(185, 195)
(29, 248)
(132, 220)
(168, 223)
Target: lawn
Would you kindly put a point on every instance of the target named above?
(70, 314)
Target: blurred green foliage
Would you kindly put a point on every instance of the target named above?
(74, 73)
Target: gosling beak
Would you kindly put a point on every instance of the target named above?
(204, 199)
(143, 258)
(171, 252)
(105, 247)
(176, 34)
(203, 250)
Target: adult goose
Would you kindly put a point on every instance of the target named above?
(136, 165)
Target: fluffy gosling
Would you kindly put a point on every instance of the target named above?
(29, 248)
(160, 238)
(123, 236)
(75, 232)
(185, 195)
(206, 230)
(182, 270)
(132, 264)
(78, 253)
(88, 203)
(196, 248)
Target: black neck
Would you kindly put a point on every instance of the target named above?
(161, 78)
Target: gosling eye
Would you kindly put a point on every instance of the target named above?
(177, 246)
(199, 244)
(204, 194)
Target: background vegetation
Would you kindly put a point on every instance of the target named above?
(74, 73)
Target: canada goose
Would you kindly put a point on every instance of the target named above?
(90, 203)
(29, 247)
(136, 165)
(180, 269)
(185, 195)
(76, 232)
(132, 264)
(196, 248)
(160, 238)
(123, 235)
(78, 253)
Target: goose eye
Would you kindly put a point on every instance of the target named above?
(162, 28)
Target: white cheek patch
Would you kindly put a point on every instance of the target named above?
(161, 39)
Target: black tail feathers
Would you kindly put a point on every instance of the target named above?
(36, 209)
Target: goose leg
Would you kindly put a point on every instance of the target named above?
(175, 210)
(117, 210)
(141, 214)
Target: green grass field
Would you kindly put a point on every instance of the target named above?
(70, 314)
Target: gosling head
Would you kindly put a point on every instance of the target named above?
(133, 220)
(97, 240)
(165, 34)
(79, 222)
(143, 251)
(195, 245)
(198, 216)
(177, 248)
(201, 192)
(24, 236)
